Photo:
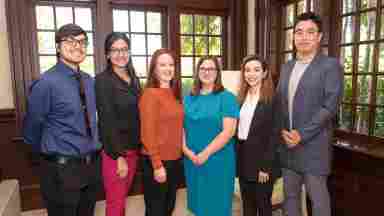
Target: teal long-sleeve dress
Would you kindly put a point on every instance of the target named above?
(209, 186)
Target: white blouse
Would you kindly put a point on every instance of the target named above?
(246, 114)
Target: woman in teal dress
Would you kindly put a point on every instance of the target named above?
(211, 114)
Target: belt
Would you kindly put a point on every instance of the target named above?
(64, 159)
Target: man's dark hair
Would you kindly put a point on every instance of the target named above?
(309, 16)
(66, 31)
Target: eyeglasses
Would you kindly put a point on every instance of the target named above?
(73, 42)
(311, 33)
(117, 51)
(203, 69)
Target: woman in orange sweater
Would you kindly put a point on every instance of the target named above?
(161, 115)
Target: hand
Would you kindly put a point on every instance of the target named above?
(122, 167)
(160, 175)
(263, 177)
(193, 157)
(291, 138)
(202, 157)
(190, 155)
(296, 136)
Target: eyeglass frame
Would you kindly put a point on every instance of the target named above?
(211, 69)
(117, 51)
(73, 42)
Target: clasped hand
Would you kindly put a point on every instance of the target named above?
(292, 138)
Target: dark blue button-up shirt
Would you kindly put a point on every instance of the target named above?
(54, 122)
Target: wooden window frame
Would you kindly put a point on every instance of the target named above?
(72, 5)
(164, 27)
(222, 36)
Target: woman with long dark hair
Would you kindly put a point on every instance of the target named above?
(117, 96)
(257, 167)
(161, 114)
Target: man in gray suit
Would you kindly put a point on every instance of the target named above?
(308, 95)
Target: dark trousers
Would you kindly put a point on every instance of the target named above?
(160, 198)
(70, 189)
(256, 198)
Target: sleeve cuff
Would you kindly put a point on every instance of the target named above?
(156, 162)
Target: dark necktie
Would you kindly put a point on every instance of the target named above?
(83, 101)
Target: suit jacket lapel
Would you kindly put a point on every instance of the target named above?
(307, 73)
(289, 69)
(257, 115)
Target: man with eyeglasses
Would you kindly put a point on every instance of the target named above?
(60, 124)
(309, 92)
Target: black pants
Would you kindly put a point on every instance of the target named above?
(160, 198)
(256, 198)
(70, 189)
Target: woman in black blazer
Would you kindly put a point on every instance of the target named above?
(257, 168)
(117, 94)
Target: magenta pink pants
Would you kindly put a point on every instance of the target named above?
(116, 188)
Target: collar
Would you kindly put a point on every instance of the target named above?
(65, 69)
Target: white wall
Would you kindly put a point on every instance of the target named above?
(6, 95)
(251, 27)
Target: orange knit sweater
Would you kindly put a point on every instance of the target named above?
(161, 118)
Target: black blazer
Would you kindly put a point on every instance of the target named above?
(118, 114)
(259, 151)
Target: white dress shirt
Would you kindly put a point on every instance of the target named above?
(246, 115)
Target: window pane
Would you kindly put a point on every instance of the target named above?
(186, 45)
(362, 120)
(46, 41)
(349, 6)
(347, 89)
(381, 58)
(154, 43)
(346, 58)
(83, 18)
(186, 66)
(348, 29)
(154, 22)
(214, 25)
(43, 17)
(380, 90)
(140, 65)
(365, 58)
(46, 62)
(201, 46)
(382, 24)
(364, 4)
(120, 21)
(312, 5)
(379, 123)
(137, 21)
(186, 24)
(187, 85)
(288, 56)
(196, 61)
(88, 65)
(345, 117)
(142, 82)
(90, 46)
(367, 26)
(201, 24)
(63, 16)
(301, 7)
(214, 46)
(364, 88)
(289, 39)
(290, 15)
(138, 44)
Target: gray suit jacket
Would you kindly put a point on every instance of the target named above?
(314, 110)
